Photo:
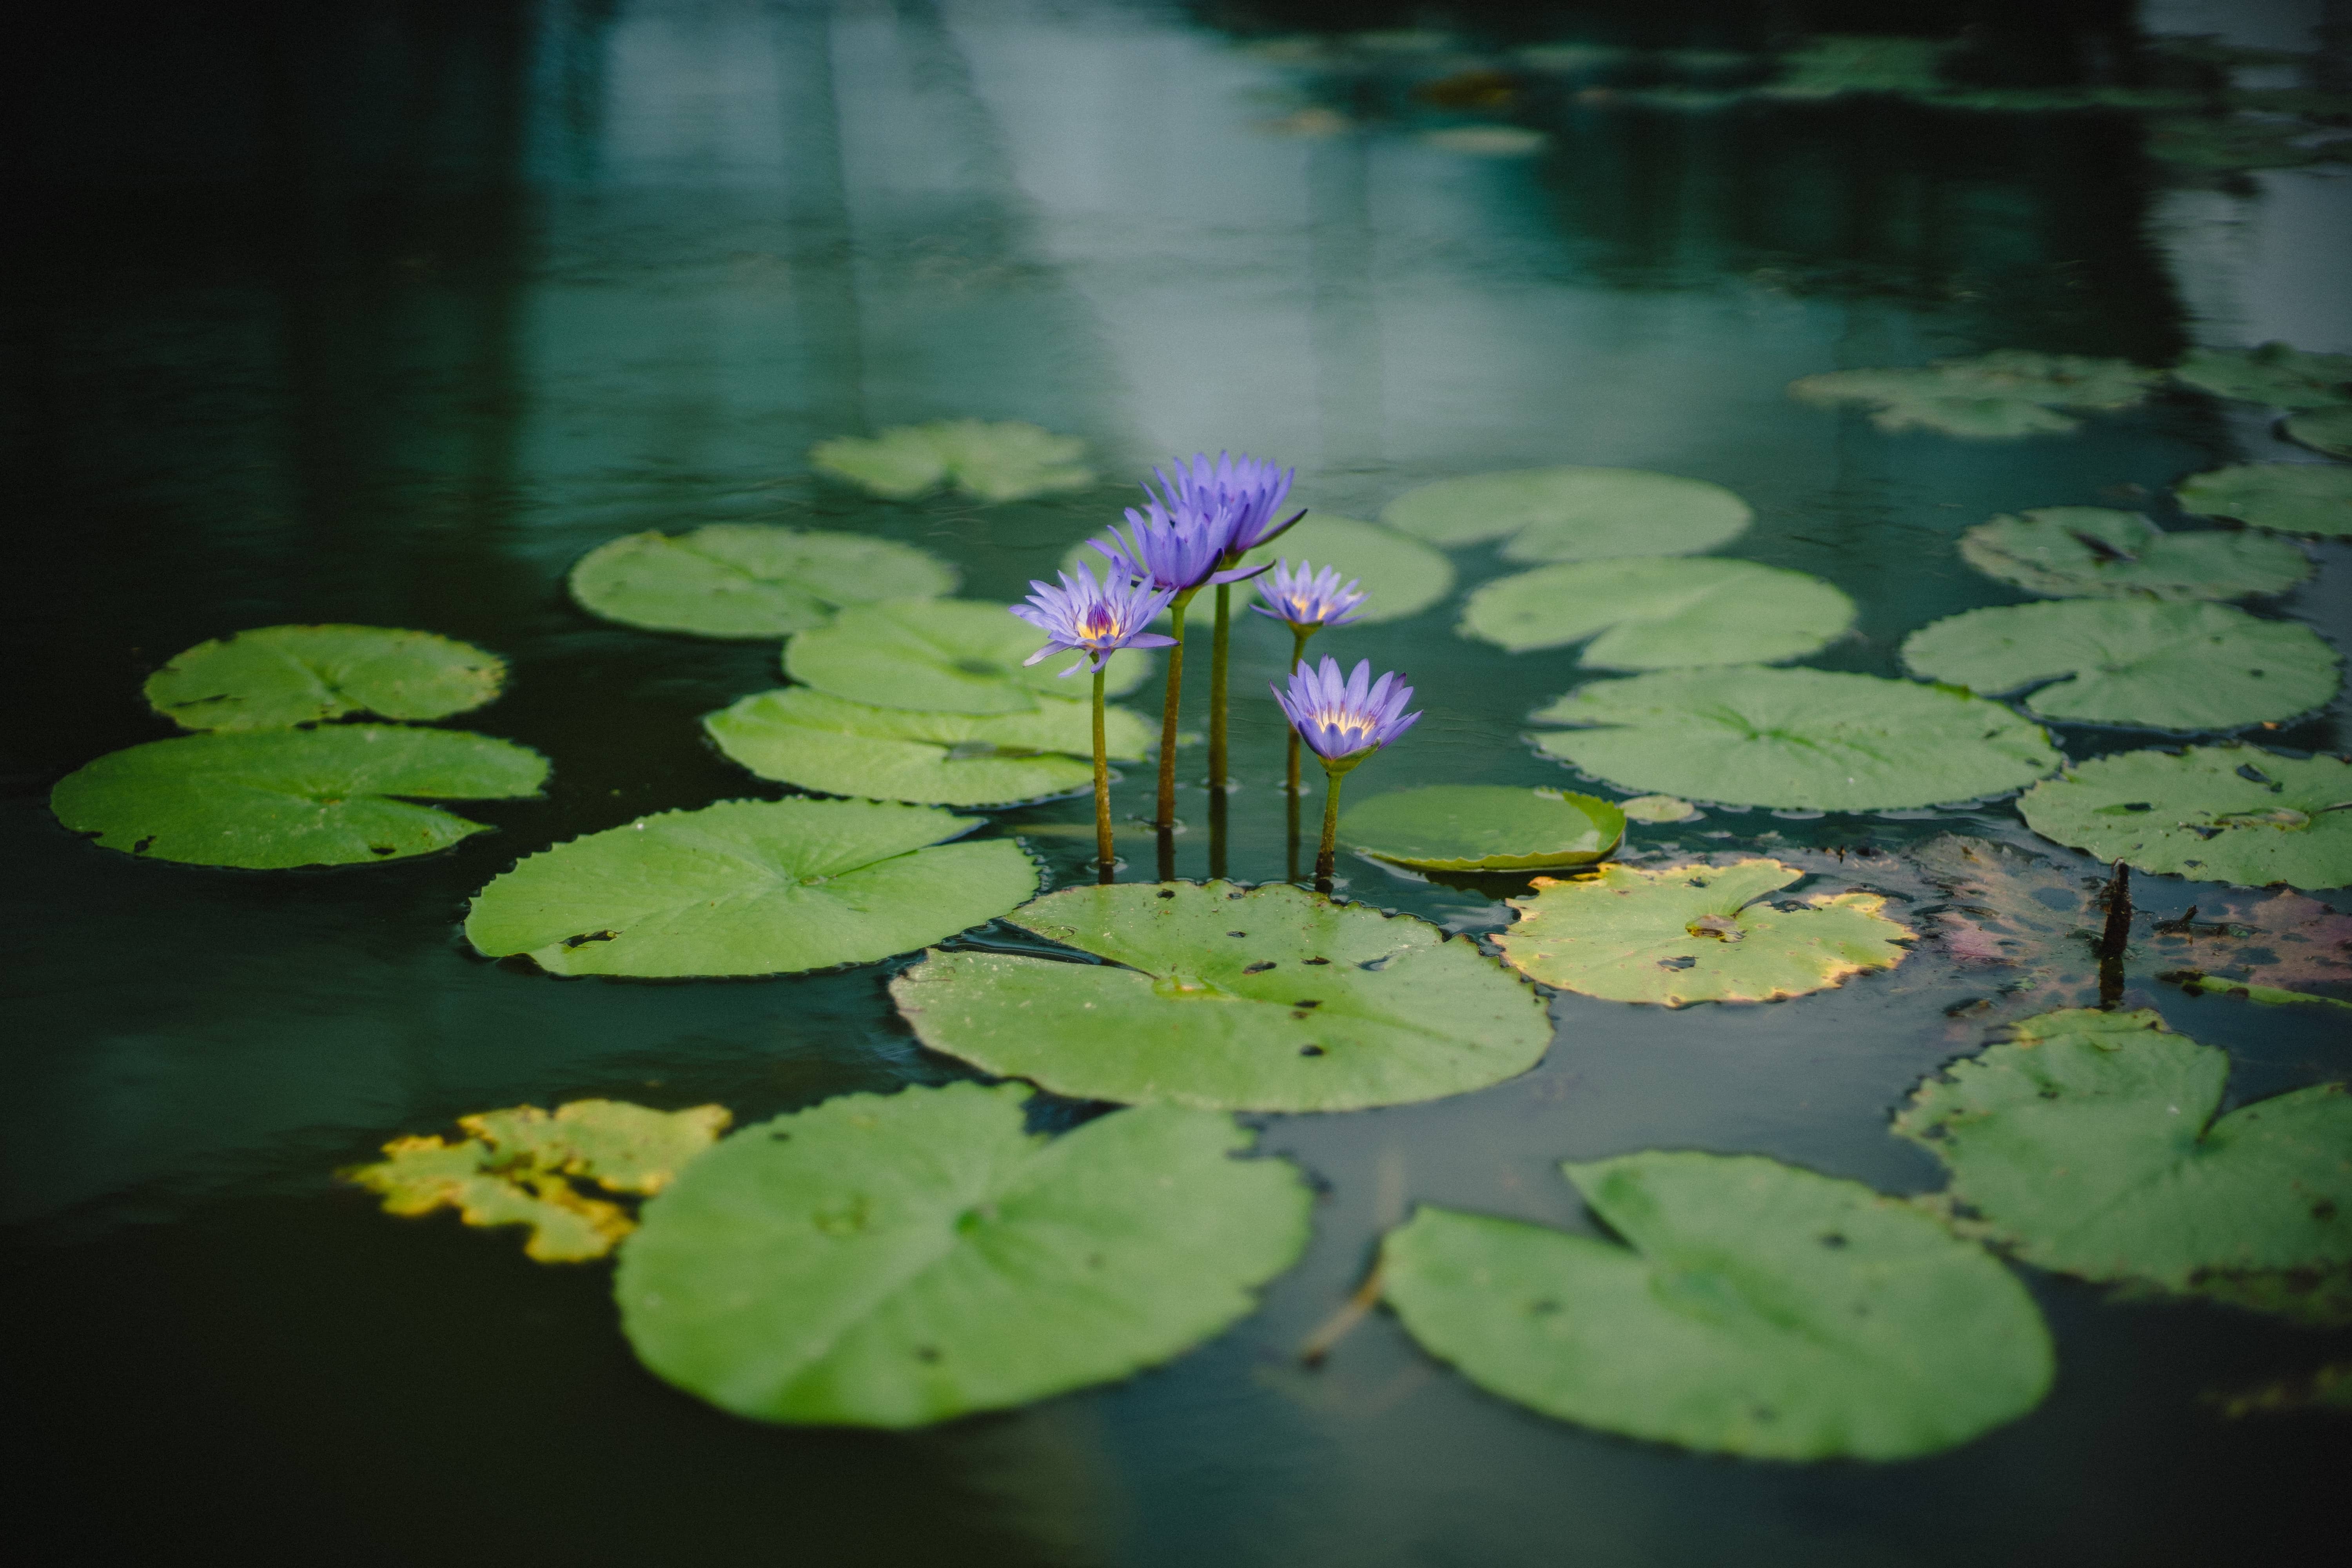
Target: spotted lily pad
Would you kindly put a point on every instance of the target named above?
(897, 1260)
(2216, 814)
(749, 887)
(748, 580)
(2090, 1145)
(1000, 462)
(2089, 551)
(1573, 514)
(1697, 934)
(270, 799)
(1268, 999)
(2007, 392)
(1795, 738)
(2314, 499)
(1483, 828)
(513, 1167)
(275, 678)
(1752, 1309)
(2275, 373)
(1659, 614)
(2155, 665)
(803, 737)
(948, 655)
(2328, 430)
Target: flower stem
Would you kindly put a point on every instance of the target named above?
(1166, 820)
(1220, 645)
(1326, 857)
(1298, 635)
(1102, 788)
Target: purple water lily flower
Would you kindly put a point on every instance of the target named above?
(1248, 489)
(1178, 549)
(1094, 619)
(1307, 599)
(1346, 718)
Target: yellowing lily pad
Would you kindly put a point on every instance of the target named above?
(275, 678)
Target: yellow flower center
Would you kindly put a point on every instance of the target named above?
(1098, 624)
(1350, 726)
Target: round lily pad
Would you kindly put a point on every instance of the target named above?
(748, 580)
(1483, 828)
(999, 462)
(2112, 662)
(1573, 514)
(2089, 551)
(275, 678)
(1269, 999)
(2215, 813)
(2314, 499)
(1754, 1308)
(2090, 1145)
(1797, 738)
(2274, 373)
(897, 1260)
(270, 799)
(1657, 808)
(2328, 430)
(2007, 392)
(1659, 614)
(1697, 934)
(801, 736)
(949, 656)
(1399, 576)
(749, 887)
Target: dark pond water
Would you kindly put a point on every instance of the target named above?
(385, 312)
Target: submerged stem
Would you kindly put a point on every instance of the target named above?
(1102, 786)
(1166, 818)
(1220, 644)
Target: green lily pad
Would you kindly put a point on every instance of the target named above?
(2274, 373)
(1000, 462)
(2314, 499)
(2328, 430)
(1401, 576)
(1754, 1308)
(2090, 1145)
(802, 737)
(749, 887)
(269, 799)
(2198, 814)
(2111, 661)
(1795, 738)
(1573, 514)
(1270, 999)
(2006, 393)
(2229, 143)
(947, 656)
(1659, 614)
(748, 580)
(2089, 551)
(897, 1260)
(1697, 934)
(1656, 809)
(275, 678)
(1841, 63)
(2191, 980)
(1483, 828)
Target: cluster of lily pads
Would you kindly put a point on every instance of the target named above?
(897, 1260)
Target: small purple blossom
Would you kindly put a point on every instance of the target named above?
(1094, 619)
(1307, 598)
(1344, 720)
(1247, 490)
(1176, 550)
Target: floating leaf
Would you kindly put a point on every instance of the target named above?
(1573, 514)
(2088, 551)
(2229, 143)
(1835, 63)
(2274, 373)
(275, 678)
(748, 580)
(1000, 462)
(274, 798)
(2155, 665)
(1483, 828)
(1795, 738)
(749, 887)
(2274, 940)
(1657, 808)
(2009, 391)
(512, 1170)
(2329, 1388)
(2199, 814)
(2014, 909)
(1486, 141)
(951, 656)
(2267, 995)
(1403, 576)
(1756, 1309)
(1269, 999)
(893, 1261)
(803, 737)
(2328, 430)
(2314, 499)
(1697, 934)
(2088, 1145)
(1659, 614)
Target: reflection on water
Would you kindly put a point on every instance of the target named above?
(386, 313)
